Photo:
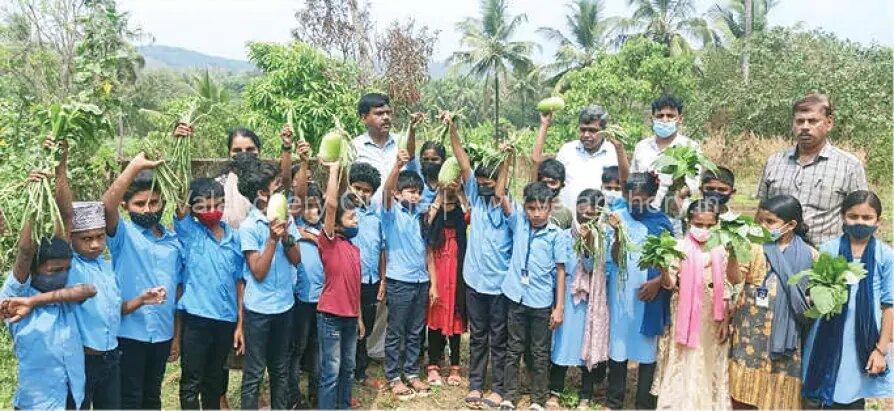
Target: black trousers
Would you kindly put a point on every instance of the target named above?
(588, 379)
(617, 386)
(528, 327)
(487, 339)
(816, 405)
(304, 353)
(436, 344)
(103, 374)
(142, 371)
(267, 339)
(368, 306)
(206, 344)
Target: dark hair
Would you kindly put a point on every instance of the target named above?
(486, 171)
(365, 173)
(538, 191)
(50, 249)
(787, 208)
(610, 173)
(434, 145)
(142, 182)
(704, 206)
(370, 101)
(347, 202)
(667, 101)
(314, 191)
(203, 187)
(591, 197)
(592, 114)
(551, 168)
(646, 183)
(722, 174)
(858, 197)
(256, 178)
(811, 100)
(242, 132)
(409, 179)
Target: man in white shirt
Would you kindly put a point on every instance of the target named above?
(667, 118)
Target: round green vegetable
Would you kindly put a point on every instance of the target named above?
(450, 171)
(278, 208)
(550, 104)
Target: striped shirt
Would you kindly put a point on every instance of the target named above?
(820, 186)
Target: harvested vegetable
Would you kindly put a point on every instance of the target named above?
(450, 171)
(828, 281)
(737, 232)
(550, 104)
(596, 246)
(278, 208)
(624, 248)
(682, 161)
(660, 251)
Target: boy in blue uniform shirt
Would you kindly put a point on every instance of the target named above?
(407, 279)
(214, 268)
(271, 256)
(534, 286)
(144, 255)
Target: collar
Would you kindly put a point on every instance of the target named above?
(148, 232)
(825, 152)
(550, 227)
(365, 139)
(228, 231)
(601, 149)
(81, 258)
(678, 140)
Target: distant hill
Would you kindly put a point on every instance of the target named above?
(177, 58)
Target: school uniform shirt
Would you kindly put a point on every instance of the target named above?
(212, 269)
(274, 295)
(341, 291)
(489, 243)
(646, 152)
(537, 252)
(98, 318)
(582, 169)
(48, 347)
(852, 384)
(310, 271)
(142, 261)
(369, 241)
(568, 338)
(406, 248)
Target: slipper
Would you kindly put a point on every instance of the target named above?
(474, 400)
(434, 376)
(401, 391)
(422, 389)
(454, 379)
(491, 403)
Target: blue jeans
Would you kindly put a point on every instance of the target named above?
(407, 305)
(337, 338)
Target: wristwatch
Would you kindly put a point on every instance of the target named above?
(288, 241)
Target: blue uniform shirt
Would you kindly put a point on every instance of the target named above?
(310, 271)
(537, 253)
(406, 248)
(212, 269)
(49, 350)
(369, 241)
(490, 244)
(275, 294)
(98, 318)
(142, 261)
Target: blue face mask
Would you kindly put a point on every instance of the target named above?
(350, 232)
(49, 282)
(776, 234)
(664, 129)
(859, 231)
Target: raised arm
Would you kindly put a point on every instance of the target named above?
(303, 170)
(503, 182)
(17, 308)
(63, 194)
(623, 163)
(403, 157)
(434, 207)
(537, 154)
(462, 158)
(331, 200)
(115, 194)
(285, 160)
(415, 119)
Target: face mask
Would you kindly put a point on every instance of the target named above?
(486, 191)
(717, 197)
(49, 282)
(699, 234)
(350, 232)
(859, 231)
(611, 195)
(777, 233)
(211, 218)
(406, 204)
(311, 216)
(664, 129)
(430, 170)
(145, 220)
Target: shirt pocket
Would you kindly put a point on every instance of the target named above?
(822, 193)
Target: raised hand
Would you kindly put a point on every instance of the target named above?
(182, 130)
(142, 163)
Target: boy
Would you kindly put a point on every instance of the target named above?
(534, 286)
(214, 267)
(719, 186)
(484, 268)
(271, 255)
(407, 279)
(144, 255)
(364, 180)
(552, 173)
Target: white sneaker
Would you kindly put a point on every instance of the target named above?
(536, 407)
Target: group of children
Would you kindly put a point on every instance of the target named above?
(299, 295)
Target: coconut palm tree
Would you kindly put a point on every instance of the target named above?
(589, 32)
(670, 22)
(526, 84)
(730, 17)
(491, 49)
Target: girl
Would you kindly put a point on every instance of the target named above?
(846, 358)
(765, 355)
(431, 157)
(692, 368)
(446, 237)
(584, 294)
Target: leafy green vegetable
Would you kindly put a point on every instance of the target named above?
(659, 251)
(682, 161)
(597, 244)
(827, 284)
(737, 232)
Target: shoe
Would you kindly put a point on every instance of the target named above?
(507, 405)
(535, 407)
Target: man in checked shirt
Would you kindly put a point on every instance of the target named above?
(814, 171)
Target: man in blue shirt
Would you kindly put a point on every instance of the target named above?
(145, 255)
(214, 268)
(271, 256)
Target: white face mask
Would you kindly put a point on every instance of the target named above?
(610, 195)
(700, 234)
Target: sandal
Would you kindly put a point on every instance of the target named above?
(474, 400)
(434, 376)
(422, 389)
(454, 379)
(553, 403)
(401, 391)
(493, 400)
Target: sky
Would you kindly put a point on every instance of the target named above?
(222, 27)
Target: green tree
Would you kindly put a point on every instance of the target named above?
(672, 23)
(589, 31)
(526, 85)
(730, 17)
(491, 48)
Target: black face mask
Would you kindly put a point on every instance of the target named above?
(145, 220)
(486, 191)
(716, 196)
(49, 282)
(430, 170)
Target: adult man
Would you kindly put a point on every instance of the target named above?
(814, 171)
